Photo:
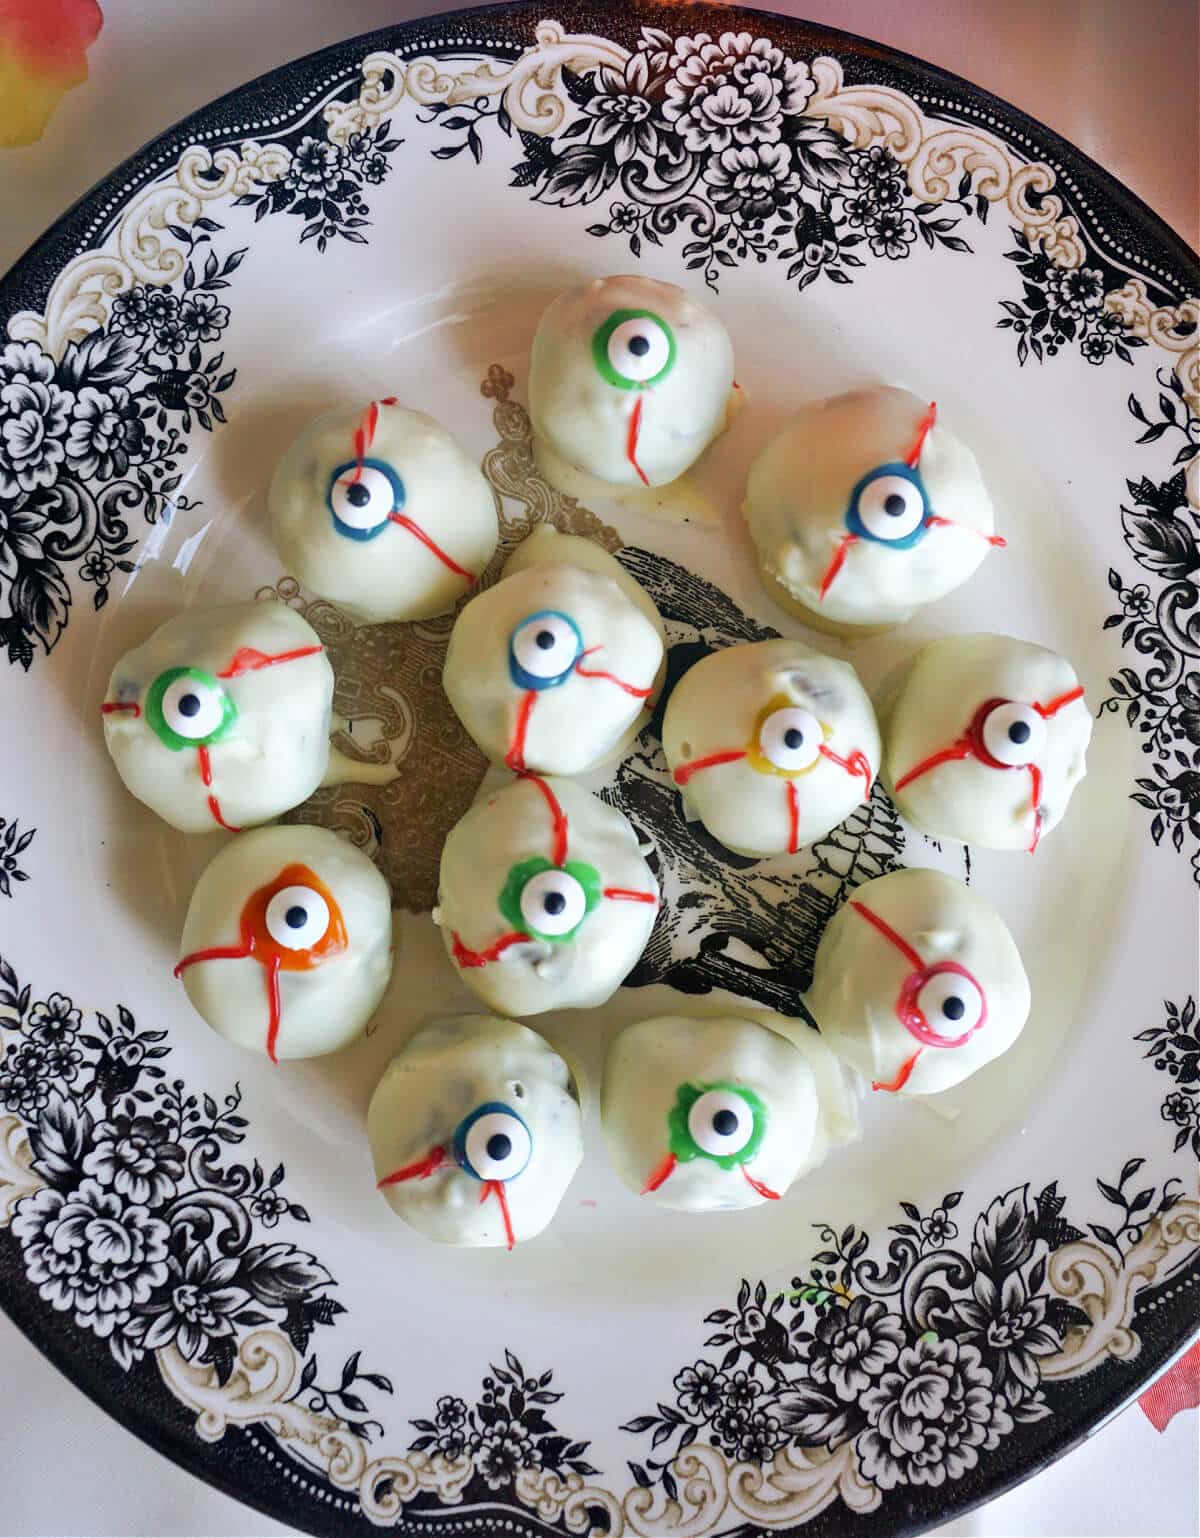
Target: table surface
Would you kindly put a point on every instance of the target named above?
(1118, 81)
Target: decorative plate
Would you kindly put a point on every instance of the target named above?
(192, 1234)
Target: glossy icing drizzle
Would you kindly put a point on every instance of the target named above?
(631, 440)
(913, 457)
(908, 1009)
(419, 1169)
(660, 1174)
(258, 944)
(496, 1188)
(639, 694)
(972, 744)
(837, 561)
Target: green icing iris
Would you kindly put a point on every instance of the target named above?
(207, 690)
(604, 363)
(684, 1146)
(522, 874)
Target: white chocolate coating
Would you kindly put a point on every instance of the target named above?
(392, 575)
(859, 976)
(933, 705)
(276, 752)
(799, 492)
(321, 1009)
(647, 1065)
(514, 825)
(723, 703)
(445, 1072)
(577, 723)
(585, 418)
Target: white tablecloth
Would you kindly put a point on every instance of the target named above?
(1119, 81)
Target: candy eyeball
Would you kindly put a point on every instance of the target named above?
(553, 668)
(287, 945)
(917, 983)
(545, 900)
(770, 745)
(987, 739)
(475, 1132)
(706, 1115)
(629, 380)
(220, 719)
(379, 509)
(864, 508)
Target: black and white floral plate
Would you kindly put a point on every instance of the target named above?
(193, 1235)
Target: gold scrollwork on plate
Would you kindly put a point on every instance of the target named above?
(17, 1178)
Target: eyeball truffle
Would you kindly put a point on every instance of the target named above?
(475, 1132)
(379, 510)
(864, 508)
(544, 900)
(709, 1115)
(771, 744)
(986, 740)
(629, 380)
(551, 669)
(287, 945)
(221, 718)
(917, 983)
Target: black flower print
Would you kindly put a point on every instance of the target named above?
(929, 1416)
(1174, 1049)
(761, 1435)
(54, 1020)
(501, 1452)
(196, 1306)
(138, 1158)
(701, 1390)
(35, 413)
(1008, 1327)
(131, 312)
(25, 1080)
(890, 233)
(13, 844)
(1185, 713)
(92, 1254)
(315, 167)
(202, 318)
(938, 1229)
(752, 180)
(852, 1346)
(106, 432)
(621, 112)
(734, 90)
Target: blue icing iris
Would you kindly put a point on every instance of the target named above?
(895, 504)
(543, 650)
(362, 497)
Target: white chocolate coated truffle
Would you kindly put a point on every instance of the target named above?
(629, 380)
(550, 670)
(917, 983)
(771, 744)
(865, 507)
(475, 1132)
(986, 739)
(544, 899)
(287, 945)
(708, 1115)
(378, 509)
(221, 718)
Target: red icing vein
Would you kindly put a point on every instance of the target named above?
(836, 564)
(465, 957)
(558, 818)
(912, 458)
(612, 678)
(420, 1169)
(856, 762)
(248, 659)
(111, 707)
(623, 894)
(415, 529)
(793, 801)
(685, 771)
(631, 441)
(515, 757)
(890, 935)
(660, 1174)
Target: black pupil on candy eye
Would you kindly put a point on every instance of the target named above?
(1019, 732)
(894, 505)
(954, 1008)
(725, 1123)
(189, 705)
(296, 917)
(639, 346)
(793, 738)
(545, 639)
(554, 902)
(358, 495)
(499, 1146)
